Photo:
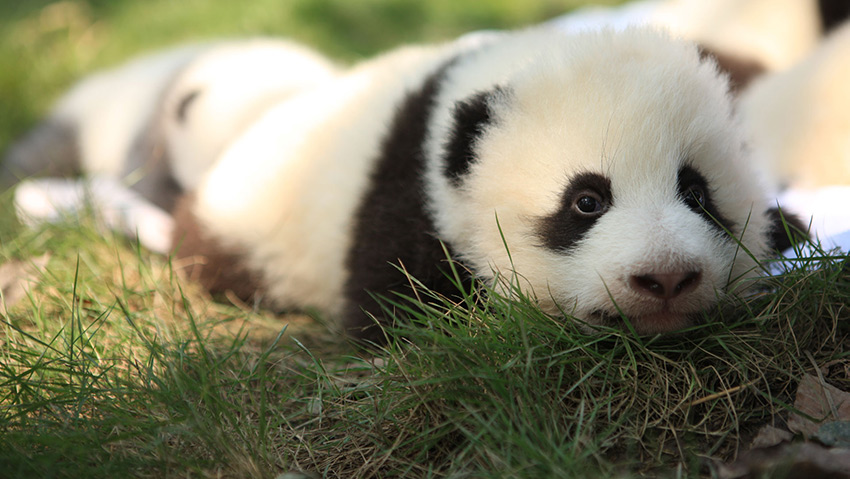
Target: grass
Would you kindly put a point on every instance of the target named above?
(115, 365)
(152, 379)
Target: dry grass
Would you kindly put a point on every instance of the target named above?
(115, 357)
(116, 365)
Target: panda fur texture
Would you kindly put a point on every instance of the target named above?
(799, 119)
(92, 127)
(772, 33)
(602, 172)
(159, 122)
(222, 91)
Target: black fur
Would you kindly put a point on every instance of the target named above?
(50, 149)
(780, 238)
(741, 70)
(186, 102)
(471, 117)
(833, 13)
(392, 227)
(149, 164)
(689, 176)
(564, 228)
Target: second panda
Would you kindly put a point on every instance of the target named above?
(604, 172)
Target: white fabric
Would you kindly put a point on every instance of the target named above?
(827, 213)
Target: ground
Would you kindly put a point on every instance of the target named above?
(112, 363)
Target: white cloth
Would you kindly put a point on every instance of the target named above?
(827, 213)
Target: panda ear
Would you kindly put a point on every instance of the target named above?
(786, 229)
(740, 69)
(470, 117)
(185, 103)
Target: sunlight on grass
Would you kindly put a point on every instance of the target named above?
(115, 365)
(117, 359)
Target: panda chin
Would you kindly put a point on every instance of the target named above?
(662, 321)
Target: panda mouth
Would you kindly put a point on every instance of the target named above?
(662, 321)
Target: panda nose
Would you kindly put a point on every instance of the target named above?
(665, 285)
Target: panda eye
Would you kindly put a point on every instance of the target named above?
(695, 197)
(588, 203)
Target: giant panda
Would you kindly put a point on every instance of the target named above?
(798, 120)
(158, 122)
(603, 173)
(93, 126)
(747, 37)
(772, 33)
(221, 92)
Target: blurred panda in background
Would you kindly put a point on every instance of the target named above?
(147, 131)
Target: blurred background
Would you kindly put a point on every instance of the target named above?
(46, 45)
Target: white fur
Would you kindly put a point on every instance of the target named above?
(110, 108)
(775, 32)
(235, 82)
(800, 119)
(631, 106)
(47, 200)
(287, 189)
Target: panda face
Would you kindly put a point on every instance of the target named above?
(608, 189)
(658, 259)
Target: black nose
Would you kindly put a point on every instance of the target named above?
(665, 285)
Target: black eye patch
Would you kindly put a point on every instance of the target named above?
(586, 199)
(696, 194)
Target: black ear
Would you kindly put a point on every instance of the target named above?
(741, 69)
(833, 13)
(470, 118)
(184, 104)
(786, 229)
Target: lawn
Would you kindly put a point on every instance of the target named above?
(113, 364)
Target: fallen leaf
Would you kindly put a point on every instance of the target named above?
(821, 402)
(807, 459)
(769, 436)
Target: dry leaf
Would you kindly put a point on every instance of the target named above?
(820, 401)
(769, 436)
(806, 459)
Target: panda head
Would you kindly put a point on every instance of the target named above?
(605, 177)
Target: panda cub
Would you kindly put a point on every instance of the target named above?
(799, 118)
(159, 122)
(604, 173)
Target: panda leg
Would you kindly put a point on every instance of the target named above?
(216, 266)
